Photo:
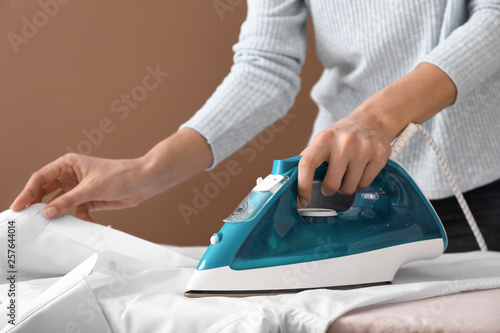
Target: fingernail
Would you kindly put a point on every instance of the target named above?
(303, 202)
(50, 212)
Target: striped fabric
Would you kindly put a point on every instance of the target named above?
(364, 46)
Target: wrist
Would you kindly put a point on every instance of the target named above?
(382, 113)
(175, 159)
(151, 174)
(416, 97)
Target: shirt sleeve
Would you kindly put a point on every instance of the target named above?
(471, 53)
(263, 81)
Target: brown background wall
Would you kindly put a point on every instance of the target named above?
(63, 76)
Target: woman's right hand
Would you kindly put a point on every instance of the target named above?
(86, 183)
(90, 183)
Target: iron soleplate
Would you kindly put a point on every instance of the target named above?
(250, 293)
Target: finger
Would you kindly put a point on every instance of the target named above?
(32, 190)
(51, 187)
(355, 169)
(338, 155)
(352, 177)
(82, 212)
(57, 195)
(334, 175)
(371, 171)
(374, 166)
(64, 186)
(111, 205)
(68, 184)
(37, 197)
(25, 198)
(312, 157)
(46, 190)
(67, 201)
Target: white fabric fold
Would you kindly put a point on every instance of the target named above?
(109, 281)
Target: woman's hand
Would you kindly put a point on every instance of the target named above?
(90, 183)
(358, 146)
(86, 183)
(356, 150)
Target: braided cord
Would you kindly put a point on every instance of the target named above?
(403, 139)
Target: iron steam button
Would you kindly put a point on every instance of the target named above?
(216, 238)
(268, 183)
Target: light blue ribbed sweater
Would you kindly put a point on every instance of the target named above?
(365, 45)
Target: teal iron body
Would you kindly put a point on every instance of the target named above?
(267, 245)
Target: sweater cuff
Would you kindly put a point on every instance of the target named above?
(217, 155)
(470, 54)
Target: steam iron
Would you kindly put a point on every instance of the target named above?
(268, 246)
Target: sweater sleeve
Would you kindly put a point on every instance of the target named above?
(471, 53)
(263, 81)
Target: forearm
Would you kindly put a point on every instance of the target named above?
(175, 159)
(416, 97)
(263, 81)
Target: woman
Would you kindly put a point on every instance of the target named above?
(387, 63)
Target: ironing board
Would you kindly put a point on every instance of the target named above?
(470, 311)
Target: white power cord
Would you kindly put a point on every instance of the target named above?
(403, 139)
